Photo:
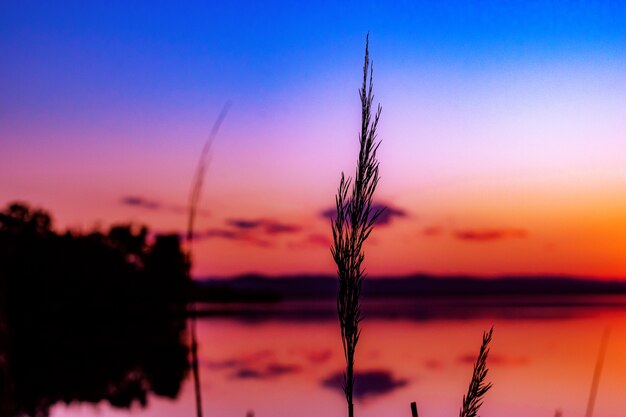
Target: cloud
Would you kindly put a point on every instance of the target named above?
(153, 205)
(487, 235)
(367, 383)
(244, 360)
(258, 232)
(388, 214)
(140, 202)
(278, 228)
(231, 234)
(224, 364)
(243, 224)
(269, 227)
(221, 233)
(270, 371)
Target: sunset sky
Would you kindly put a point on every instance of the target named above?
(503, 128)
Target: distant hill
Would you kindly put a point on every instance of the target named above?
(260, 288)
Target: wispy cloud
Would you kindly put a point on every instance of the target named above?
(255, 365)
(389, 214)
(267, 226)
(487, 235)
(140, 202)
(221, 233)
(258, 232)
(243, 223)
(144, 203)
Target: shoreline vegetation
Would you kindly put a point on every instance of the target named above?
(258, 288)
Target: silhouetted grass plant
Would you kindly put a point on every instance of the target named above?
(194, 199)
(351, 227)
(478, 386)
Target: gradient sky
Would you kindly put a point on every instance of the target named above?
(503, 127)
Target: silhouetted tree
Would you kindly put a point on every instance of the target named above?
(88, 316)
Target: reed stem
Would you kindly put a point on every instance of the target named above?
(194, 198)
(352, 225)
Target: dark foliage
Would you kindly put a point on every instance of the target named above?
(88, 317)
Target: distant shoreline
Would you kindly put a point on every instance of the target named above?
(255, 288)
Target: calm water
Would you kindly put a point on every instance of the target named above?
(285, 360)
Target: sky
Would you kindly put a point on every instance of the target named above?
(503, 133)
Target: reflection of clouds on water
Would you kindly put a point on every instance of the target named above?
(434, 365)
(246, 359)
(224, 364)
(269, 371)
(319, 356)
(366, 383)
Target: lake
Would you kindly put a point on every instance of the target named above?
(286, 359)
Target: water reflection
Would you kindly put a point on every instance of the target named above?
(424, 309)
(539, 362)
(94, 356)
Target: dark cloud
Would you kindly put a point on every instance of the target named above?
(247, 373)
(496, 359)
(487, 235)
(244, 224)
(367, 383)
(278, 228)
(272, 370)
(388, 214)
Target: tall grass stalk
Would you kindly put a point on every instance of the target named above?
(194, 199)
(478, 387)
(352, 225)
